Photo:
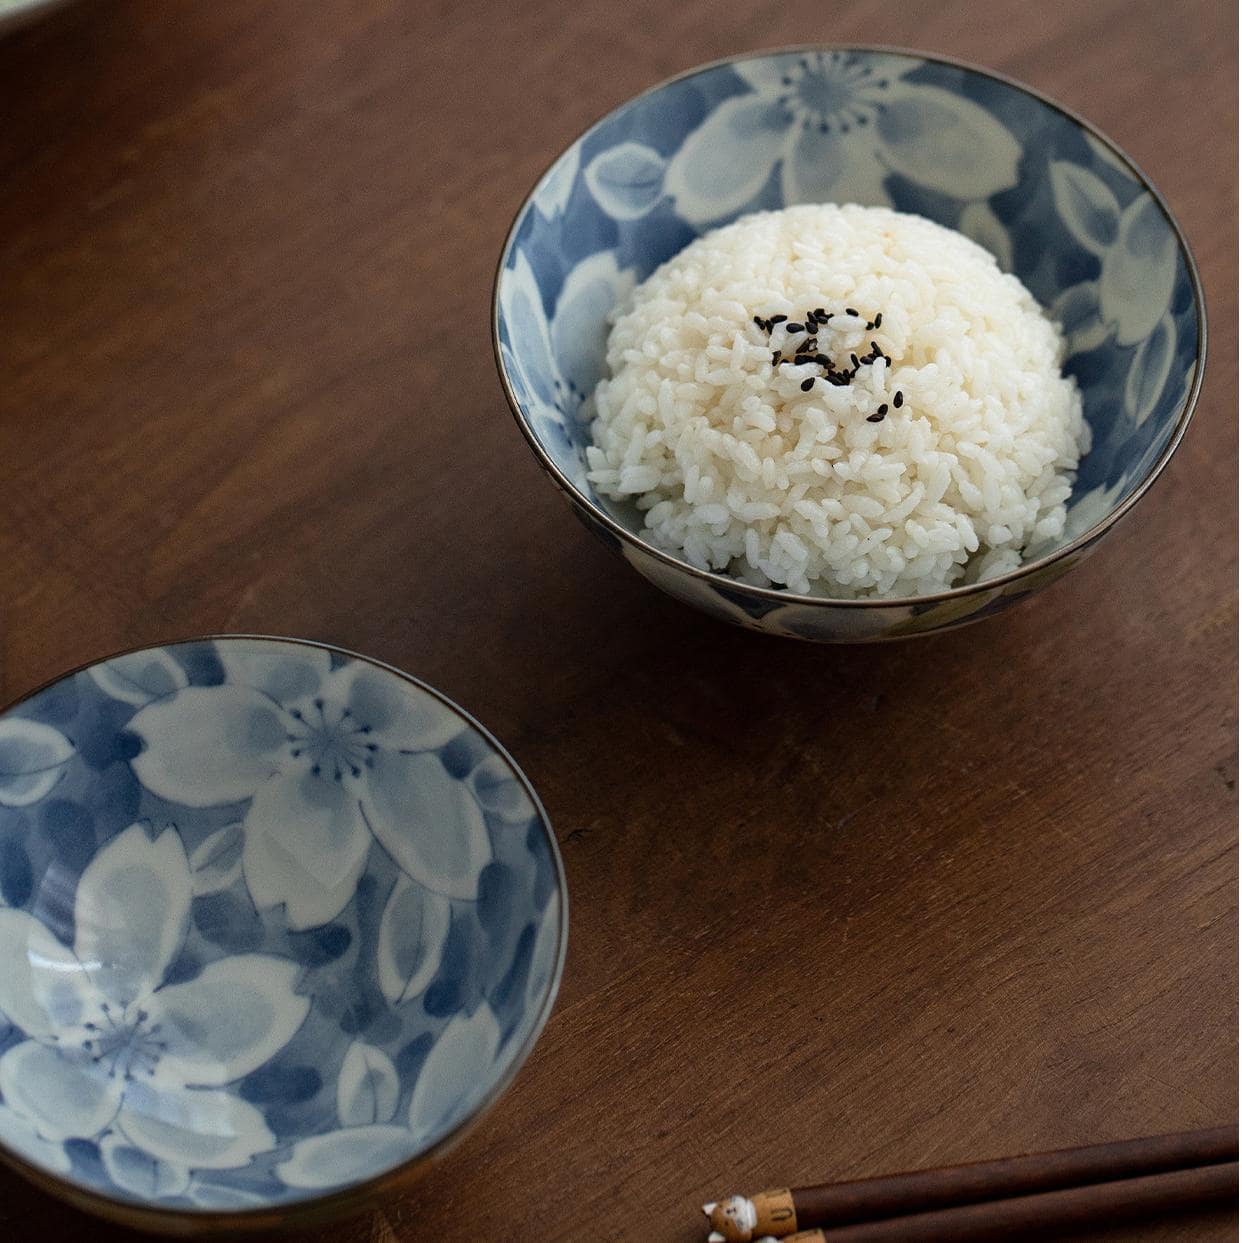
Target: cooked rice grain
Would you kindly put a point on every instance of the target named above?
(737, 469)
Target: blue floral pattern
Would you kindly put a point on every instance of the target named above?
(1056, 205)
(273, 920)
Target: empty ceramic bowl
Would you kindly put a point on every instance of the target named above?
(278, 923)
(1055, 201)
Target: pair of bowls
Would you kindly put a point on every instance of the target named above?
(278, 923)
(1055, 201)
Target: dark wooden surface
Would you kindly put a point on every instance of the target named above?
(835, 912)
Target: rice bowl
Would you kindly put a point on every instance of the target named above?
(1059, 204)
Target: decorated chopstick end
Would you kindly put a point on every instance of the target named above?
(738, 1219)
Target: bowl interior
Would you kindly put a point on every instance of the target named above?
(1055, 204)
(275, 920)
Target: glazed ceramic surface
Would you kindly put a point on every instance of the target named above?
(15, 13)
(273, 920)
(1055, 202)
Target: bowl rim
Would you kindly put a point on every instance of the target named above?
(773, 594)
(333, 1203)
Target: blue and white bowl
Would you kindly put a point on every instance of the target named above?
(1057, 203)
(277, 923)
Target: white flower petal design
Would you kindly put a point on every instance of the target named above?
(228, 1021)
(530, 348)
(1149, 372)
(127, 956)
(37, 969)
(61, 1097)
(216, 863)
(626, 180)
(20, 1136)
(1089, 509)
(137, 1172)
(195, 1127)
(1136, 280)
(226, 1195)
(979, 223)
(208, 744)
(1077, 310)
(306, 845)
(821, 166)
(32, 758)
(282, 675)
(345, 1156)
(499, 792)
(428, 823)
(773, 75)
(580, 325)
(766, 74)
(456, 1074)
(368, 1087)
(947, 143)
(1085, 204)
(543, 956)
(412, 933)
(724, 163)
(400, 717)
(141, 676)
(558, 185)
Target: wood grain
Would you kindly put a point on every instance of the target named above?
(834, 912)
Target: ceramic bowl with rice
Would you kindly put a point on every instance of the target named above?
(848, 344)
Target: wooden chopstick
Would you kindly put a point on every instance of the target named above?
(1034, 1217)
(781, 1213)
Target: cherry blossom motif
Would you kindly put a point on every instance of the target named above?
(1130, 300)
(284, 923)
(837, 123)
(330, 761)
(555, 362)
(32, 759)
(112, 1051)
(454, 1078)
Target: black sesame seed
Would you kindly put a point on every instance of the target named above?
(793, 327)
(778, 319)
(776, 357)
(877, 417)
(879, 318)
(849, 310)
(808, 384)
(801, 358)
(758, 322)
(854, 360)
(883, 410)
(898, 400)
(823, 360)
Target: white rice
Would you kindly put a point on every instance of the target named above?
(736, 469)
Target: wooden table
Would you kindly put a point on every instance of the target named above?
(835, 912)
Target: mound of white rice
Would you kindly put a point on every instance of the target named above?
(737, 469)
